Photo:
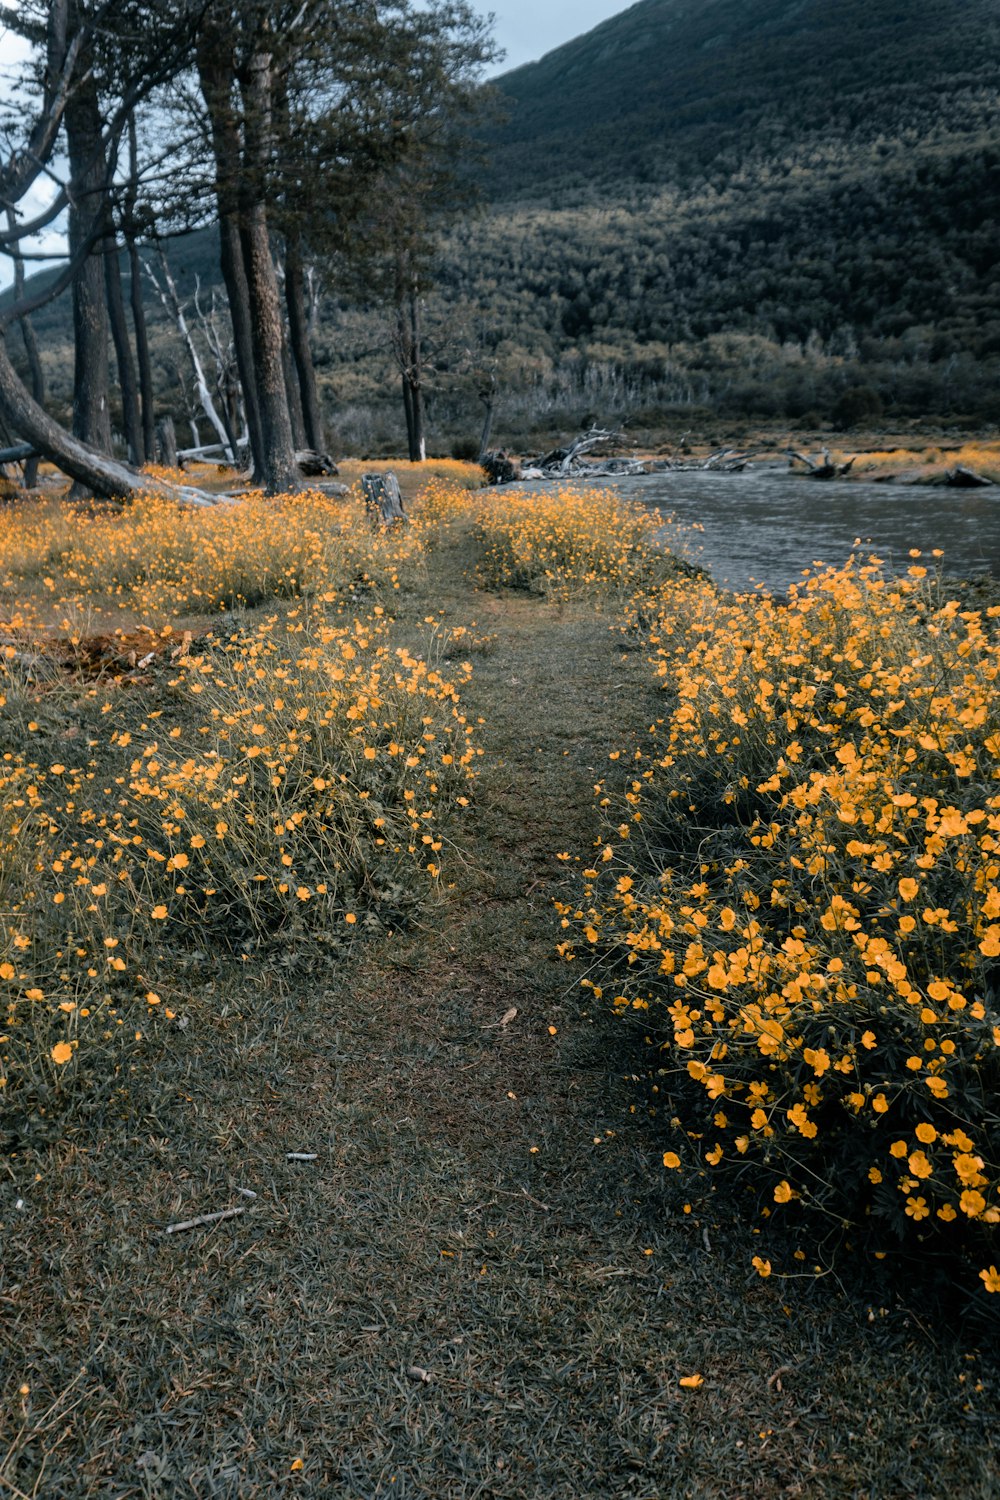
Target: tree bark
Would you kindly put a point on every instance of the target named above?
(35, 372)
(127, 381)
(143, 361)
(91, 414)
(418, 440)
(279, 472)
(218, 79)
(295, 415)
(298, 335)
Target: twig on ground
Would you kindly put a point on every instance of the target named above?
(223, 1213)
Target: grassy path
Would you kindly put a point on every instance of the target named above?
(459, 1218)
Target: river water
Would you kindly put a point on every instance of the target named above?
(765, 526)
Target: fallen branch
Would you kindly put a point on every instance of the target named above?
(223, 1213)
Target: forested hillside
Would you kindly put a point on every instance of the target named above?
(703, 211)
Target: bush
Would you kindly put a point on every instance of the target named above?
(570, 541)
(799, 897)
(859, 403)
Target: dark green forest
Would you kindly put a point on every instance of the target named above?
(703, 211)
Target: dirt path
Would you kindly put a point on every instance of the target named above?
(483, 1207)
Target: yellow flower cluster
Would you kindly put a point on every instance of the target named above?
(65, 569)
(797, 892)
(295, 774)
(567, 541)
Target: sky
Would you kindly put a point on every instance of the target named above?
(525, 29)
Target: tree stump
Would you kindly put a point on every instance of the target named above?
(382, 498)
(166, 442)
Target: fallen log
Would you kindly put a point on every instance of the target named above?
(958, 478)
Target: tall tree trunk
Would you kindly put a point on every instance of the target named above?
(218, 80)
(279, 469)
(91, 414)
(298, 335)
(238, 295)
(418, 441)
(35, 372)
(127, 382)
(143, 361)
(295, 415)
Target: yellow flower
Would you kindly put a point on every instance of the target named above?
(990, 1279)
(784, 1192)
(691, 1382)
(916, 1208)
(926, 1133)
(61, 1053)
(671, 1159)
(908, 888)
(762, 1267)
(919, 1165)
(158, 913)
(972, 1203)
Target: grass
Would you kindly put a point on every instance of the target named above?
(485, 1205)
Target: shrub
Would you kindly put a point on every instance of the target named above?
(799, 897)
(569, 541)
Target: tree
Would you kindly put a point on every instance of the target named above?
(65, 31)
(391, 249)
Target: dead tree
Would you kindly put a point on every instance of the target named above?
(167, 293)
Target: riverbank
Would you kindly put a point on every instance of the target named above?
(476, 1281)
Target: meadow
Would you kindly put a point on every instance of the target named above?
(619, 955)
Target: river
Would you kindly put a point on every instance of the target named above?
(765, 526)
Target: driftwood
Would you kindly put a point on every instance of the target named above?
(959, 478)
(726, 461)
(382, 498)
(824, 468)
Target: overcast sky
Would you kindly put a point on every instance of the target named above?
(527, 29)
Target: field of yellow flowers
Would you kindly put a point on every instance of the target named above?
(247, 776)
(797, 892)
(416, 1171)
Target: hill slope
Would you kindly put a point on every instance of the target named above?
(781, 210)
(674, 88)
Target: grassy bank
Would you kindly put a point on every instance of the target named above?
(487, 1205)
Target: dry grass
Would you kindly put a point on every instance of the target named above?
(485, 1205)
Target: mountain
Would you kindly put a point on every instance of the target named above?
(672, 89)
(702, 212)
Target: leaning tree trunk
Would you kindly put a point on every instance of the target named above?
(91, 413)
(298, 335)
(279, 472)
(218, 81)
(35, 372)
(93, 471)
